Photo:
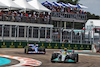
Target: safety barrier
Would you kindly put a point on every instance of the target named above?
(46, 45)
(69, 15)
(24, 19)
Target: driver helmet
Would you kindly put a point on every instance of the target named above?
(65, 49)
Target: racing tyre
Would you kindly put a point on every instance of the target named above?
(75, 57)
(26, 51)
(66, 58)
(60, 57)
(44, 50)
(53, 57)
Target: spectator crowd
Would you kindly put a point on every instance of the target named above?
(35, 17)
(66, 10)
(31, 17)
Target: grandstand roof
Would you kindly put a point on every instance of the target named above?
(10, 4)
(24, 4)
(38, 6)
(3, 5)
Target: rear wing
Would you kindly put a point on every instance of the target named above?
(30, 44)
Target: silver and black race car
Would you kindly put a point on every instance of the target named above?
(31, 48)
(64, 56)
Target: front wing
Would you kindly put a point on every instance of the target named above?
(68, 60)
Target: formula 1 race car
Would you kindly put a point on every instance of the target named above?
(31, 48)
(64, 56)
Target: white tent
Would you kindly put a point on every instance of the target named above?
(3, 5)
(92, 23)
(81, 6)
(57, 4)
(10, 4)
(38, 6)
(24, 4)
(71, 5)
(65, 5)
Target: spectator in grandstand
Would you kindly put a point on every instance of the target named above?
(53, 9)
(67, 9)
(13, 18)
(1, 12)
(48, 18)
(17, 17)
(62, 9)
(47, 39)
(22, 13)
(45, 18)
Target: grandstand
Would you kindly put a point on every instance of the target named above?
(37, 25)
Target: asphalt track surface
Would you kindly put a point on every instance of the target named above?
(84, 61)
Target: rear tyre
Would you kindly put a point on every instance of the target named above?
(53, 57)
(75, 57)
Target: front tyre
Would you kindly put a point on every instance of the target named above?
(26, 50)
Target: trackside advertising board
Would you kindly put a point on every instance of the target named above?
(46, 45)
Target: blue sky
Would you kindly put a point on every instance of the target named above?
(93, 5)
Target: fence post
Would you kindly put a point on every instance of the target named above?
(90, 37)
(50, 34)
(15, 32)
(81, 38)
(61, 35)
(28, 33)
(2, 31)
(93, 36)
(32, 33)
(39, 34)
(64, 25)
(71, 36)
(10, 33)
(25, 32)
(45, 33)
